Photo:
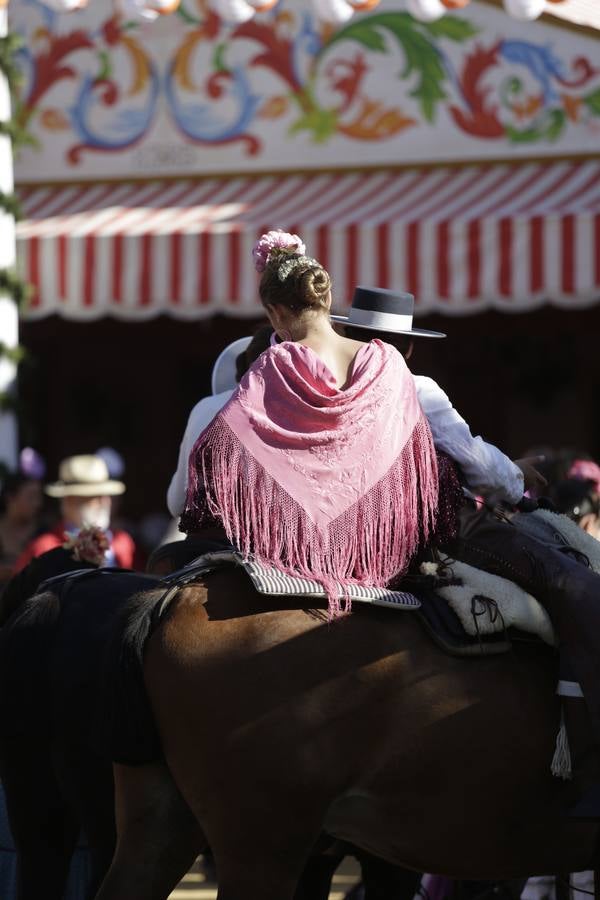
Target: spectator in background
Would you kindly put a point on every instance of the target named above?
(21, 502)
(85, 491)
(586, 470)
(578, 499)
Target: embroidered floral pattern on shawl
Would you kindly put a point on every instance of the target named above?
(337, 485)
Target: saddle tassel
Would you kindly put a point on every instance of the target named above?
(561, 762)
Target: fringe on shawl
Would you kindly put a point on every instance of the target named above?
(371, 543)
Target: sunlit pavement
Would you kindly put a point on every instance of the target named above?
(195, 885)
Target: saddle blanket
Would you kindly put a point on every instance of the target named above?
(271, 581)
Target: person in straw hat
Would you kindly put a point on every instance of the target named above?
(85, 491)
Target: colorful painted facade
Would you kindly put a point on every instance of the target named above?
(188, 94)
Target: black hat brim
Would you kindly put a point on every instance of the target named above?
(414, 332)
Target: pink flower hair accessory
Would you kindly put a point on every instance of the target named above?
(88, 545)
(276, 243)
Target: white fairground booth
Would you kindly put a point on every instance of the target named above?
(457, 157)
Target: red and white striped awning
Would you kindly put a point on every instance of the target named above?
(466, 239)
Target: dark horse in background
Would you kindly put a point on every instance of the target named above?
(55, 757)
(56, 776)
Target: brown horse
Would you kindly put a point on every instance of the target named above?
(277, 724)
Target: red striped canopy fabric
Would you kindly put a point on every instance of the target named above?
(463, 240)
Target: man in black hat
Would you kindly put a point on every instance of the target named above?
(568, 589)
(386, 314)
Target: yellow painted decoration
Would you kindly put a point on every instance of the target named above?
(265, 5)
(572, 105)
(364, 5)
(54, 120)
(141, 68)
(274, 108)
(182, 64)
(163, 7)
(376, 123)
(528, 108)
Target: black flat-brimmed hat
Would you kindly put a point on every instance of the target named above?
(381, 310)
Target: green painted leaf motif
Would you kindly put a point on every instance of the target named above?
(451, 27)
(423, 58)
(592, 101)
(183, 13)
(556, 124)
(415, 39)
(321, 122)
(524, 137)
(218, 60)
(368, 36)
(105, 66)
(549, 130)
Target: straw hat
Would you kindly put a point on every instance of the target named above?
(84, 476)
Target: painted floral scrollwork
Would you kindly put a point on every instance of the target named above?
(286, 71)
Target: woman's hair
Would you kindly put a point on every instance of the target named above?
(295, 281)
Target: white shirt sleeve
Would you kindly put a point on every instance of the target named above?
(202, 415)
(484, 466)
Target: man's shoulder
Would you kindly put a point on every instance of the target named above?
(427, 385)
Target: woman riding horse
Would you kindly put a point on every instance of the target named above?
(276, 725)
(322, 462)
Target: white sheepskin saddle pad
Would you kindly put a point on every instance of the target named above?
(510, 605)
(486, 604)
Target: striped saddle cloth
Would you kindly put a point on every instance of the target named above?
(269, 580)
(272, 582)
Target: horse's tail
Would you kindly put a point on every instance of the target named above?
(128, 733)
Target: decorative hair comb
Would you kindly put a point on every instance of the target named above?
(287, 266)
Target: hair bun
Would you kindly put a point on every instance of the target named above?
(313, 286)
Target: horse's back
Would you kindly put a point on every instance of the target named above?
(380, 726)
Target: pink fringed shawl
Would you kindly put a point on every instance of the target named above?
(337, 485)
